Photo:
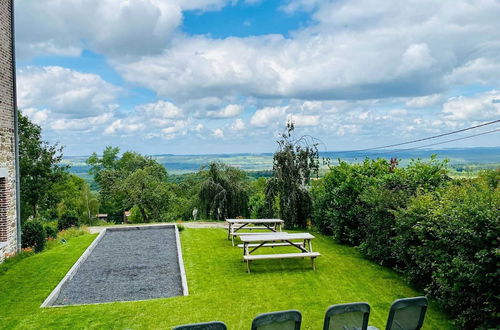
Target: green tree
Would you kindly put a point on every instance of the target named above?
(257, 201)
(73, 197)
(146, 188)
(184, 195)
(223, 193)
(295, 161)
(128, 181)
(40, 167)
(107, 176)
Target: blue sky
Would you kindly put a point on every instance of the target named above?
(221, 76)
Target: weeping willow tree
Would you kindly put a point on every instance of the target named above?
(294, 163)
(224, 192)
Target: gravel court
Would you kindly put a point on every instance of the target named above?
(127, 265)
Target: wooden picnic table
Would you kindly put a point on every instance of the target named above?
(235, 225)
(252, 243)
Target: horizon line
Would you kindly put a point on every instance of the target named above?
(320, 152)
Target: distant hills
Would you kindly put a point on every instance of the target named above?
(460, 159)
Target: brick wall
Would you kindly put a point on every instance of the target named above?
(8, 215)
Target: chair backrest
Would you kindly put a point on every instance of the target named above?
(347, 316)
(407, 314)
(215, 325)
(284, 320)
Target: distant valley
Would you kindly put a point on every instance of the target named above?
(461, 160)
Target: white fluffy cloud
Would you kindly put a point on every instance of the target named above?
(477, 71)
(484, 106)
(355, 50)
(361, 69)
(66, 92)
(89, 124)
(161, 109)
(424, 101)
(177, 128)
(304, 120)
(113, 27)
(119, 28)
(218, 133)
(229, 111)
(39, 117)
(268, 116)
(122, 126)
(238, 125)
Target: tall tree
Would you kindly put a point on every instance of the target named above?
(295, 161)
(72, 197)
(224, 193)
(40, 167)
(128, 181)
(147, 189)
(105, 171)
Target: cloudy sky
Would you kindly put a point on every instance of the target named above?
(223, 76)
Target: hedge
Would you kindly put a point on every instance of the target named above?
(440, 233)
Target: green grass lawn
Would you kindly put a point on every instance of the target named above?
(219, 288)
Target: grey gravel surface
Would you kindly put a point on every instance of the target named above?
(127, 265)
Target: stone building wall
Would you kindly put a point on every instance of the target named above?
(8, 215)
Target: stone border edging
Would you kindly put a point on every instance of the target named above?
(185, 290)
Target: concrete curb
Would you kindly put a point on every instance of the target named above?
(185, 290)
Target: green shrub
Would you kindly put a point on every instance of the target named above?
(378, 224)
(66, 221)
(257, 205)
(447, 243)
(388, 193)
(355, 202)
(51, 230)
(34, 235)
(441, 234)
(135, 215)
(338, 207)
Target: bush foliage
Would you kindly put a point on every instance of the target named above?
(441, 233)
(447, 242)
(51, 229)
(67, 221)
(34, 235)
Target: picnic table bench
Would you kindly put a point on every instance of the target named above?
(252, 243)
(235, 225)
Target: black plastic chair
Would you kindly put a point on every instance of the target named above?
(347, 316)
(284, 320)
(407, 314)
(215, 325)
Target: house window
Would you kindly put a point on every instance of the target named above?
(3, 209)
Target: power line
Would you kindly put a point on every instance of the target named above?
(424, 139)
(442, 142)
